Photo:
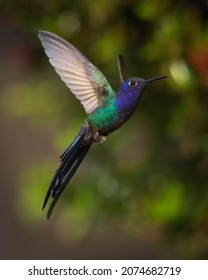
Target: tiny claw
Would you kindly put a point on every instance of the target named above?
(100, 138)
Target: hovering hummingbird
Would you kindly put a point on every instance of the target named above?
(106, 109)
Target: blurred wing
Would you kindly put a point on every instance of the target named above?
(85, 81)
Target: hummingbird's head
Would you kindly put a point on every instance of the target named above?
(134, 87)
(139, 84)
(130, 93)
(131, 90)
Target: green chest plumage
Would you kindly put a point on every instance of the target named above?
(104, 117)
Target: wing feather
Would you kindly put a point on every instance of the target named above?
(85, 81)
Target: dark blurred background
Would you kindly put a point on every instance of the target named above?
(142, 195)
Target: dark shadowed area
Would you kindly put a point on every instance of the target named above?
(142, 195)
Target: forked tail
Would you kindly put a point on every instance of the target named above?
(70, 161)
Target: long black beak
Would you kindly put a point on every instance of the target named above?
(155, 79)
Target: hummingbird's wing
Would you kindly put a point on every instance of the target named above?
(84, 79)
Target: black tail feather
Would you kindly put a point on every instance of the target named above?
(80, 155)
(55, 182)
(70, 161)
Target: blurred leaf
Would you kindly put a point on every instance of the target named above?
(167, 205)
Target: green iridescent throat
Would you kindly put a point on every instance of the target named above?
(104, 116)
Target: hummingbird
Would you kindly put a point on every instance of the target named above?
(106, 109)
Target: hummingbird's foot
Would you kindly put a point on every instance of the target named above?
(100, 138)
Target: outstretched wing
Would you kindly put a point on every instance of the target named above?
(85, 81)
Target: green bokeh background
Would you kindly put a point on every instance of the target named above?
(142, 195)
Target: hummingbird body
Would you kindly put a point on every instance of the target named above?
(115, 111)
(106, 110)
(103, 118)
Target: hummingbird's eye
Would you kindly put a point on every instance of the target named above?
(132, 83)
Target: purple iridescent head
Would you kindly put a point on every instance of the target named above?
(133, 85)
(136, 85)
(130, 93)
